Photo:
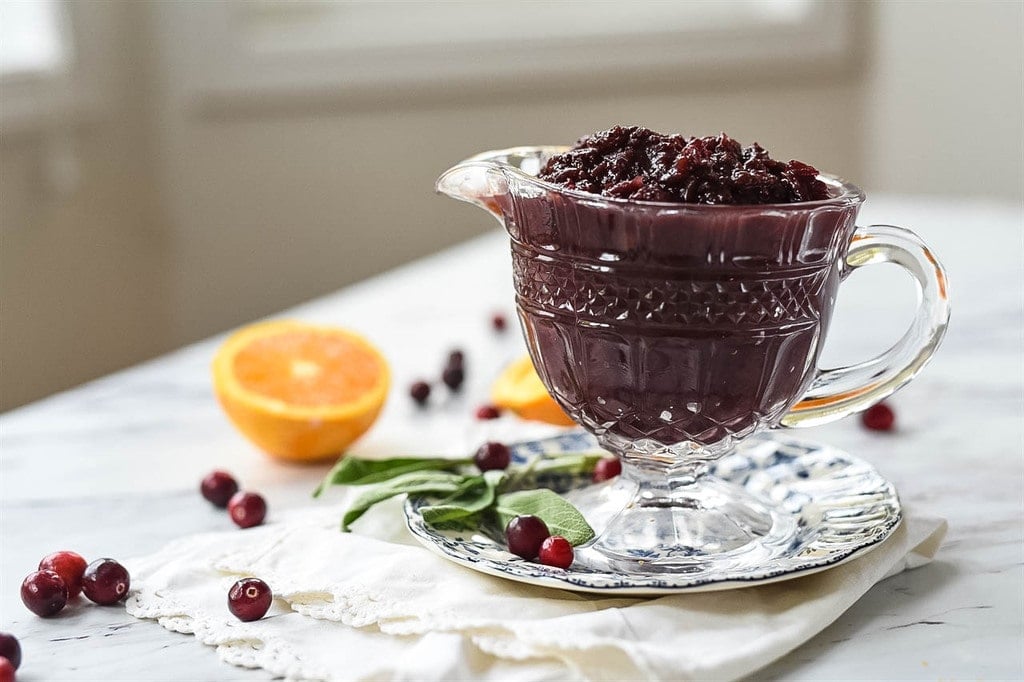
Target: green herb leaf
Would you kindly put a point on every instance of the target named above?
(355, 471)
(558, 514)
(417, 482)
(476, 495)
(465, 498)
(574, 463)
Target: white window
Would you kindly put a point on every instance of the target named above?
(261, 48)
(33, 41)
(38, 87)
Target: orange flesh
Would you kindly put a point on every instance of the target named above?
(307, 368)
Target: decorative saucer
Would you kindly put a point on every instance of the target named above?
(842, 507)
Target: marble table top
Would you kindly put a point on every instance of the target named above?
(112, 468)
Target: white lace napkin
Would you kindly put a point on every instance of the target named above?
(372, 606)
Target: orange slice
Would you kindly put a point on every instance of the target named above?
(300, 391)
(520, 390)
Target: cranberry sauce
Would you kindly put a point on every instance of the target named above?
(673, 324)
(640, 164)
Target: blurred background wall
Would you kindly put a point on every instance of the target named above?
(193, 166)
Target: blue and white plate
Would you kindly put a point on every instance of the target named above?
(842, 506)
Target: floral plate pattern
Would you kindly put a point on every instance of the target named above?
(843, 508)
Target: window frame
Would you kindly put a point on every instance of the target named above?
(223, 68)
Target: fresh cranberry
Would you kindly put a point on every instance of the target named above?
(879, 417)
(456, 358)
(10, 649)
(491, 456)
(44, 593)
(525, 534)
(499, 322)
(487, 412)
(105, 582)
(218, 487)
(6, 670)
(249, 599)
(556, 551)
(453, 376)
(247, 509)
(606, 468)
(69, 566)
(420, 391)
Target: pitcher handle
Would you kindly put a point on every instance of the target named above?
(836, 393)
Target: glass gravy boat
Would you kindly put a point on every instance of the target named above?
(673, 331)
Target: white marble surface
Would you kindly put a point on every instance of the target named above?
(112, 468)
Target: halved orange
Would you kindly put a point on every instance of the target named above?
(300, 391)
(519, 389)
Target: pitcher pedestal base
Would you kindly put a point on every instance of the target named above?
(709, 525)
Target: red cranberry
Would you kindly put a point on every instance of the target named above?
(456, 358)
(879, 417)
(453, 376)
(556, 551)
(6, 670)
(606, 468)
(249, 599)
(69, 566)
(247, 509)
(218, 487)
(499, 322)
(106, 582)
(10, 649)
(420, 391)
(487, 412)
(492, 455)
(525, 534)
(44, 593)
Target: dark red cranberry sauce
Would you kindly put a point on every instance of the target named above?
(640, 164)
(676, 322)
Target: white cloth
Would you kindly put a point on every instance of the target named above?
(373, 605)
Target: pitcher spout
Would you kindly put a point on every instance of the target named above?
(493, 180)
(481, 183)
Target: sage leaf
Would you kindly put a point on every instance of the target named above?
(416, 482)
(356, 471)
(558, 514)
(476, 495)
(574, 463)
